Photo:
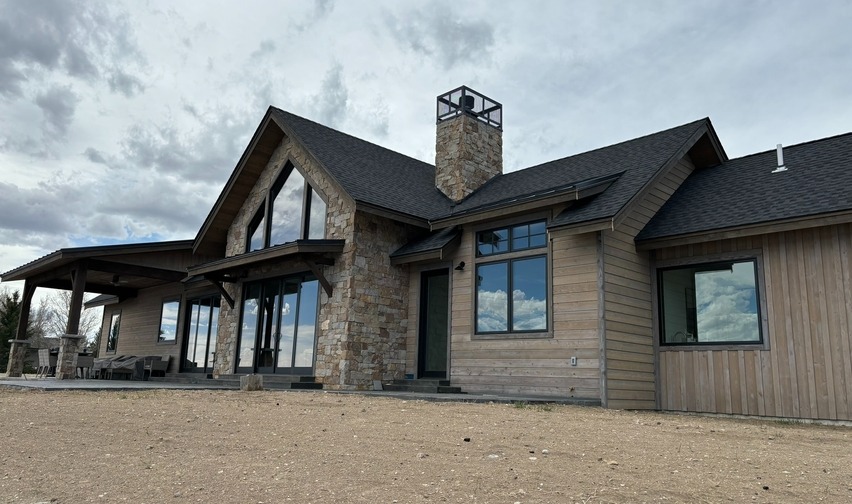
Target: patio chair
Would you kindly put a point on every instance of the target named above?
(155, 364)
(43, 362)
(85, 365)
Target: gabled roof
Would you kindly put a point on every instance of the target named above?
(381, 180)
(369, 173)
(639, 159)
(744, 191)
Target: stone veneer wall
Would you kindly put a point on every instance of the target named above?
(468, 153)
(361, 328)
(339, 225)
(364, 327)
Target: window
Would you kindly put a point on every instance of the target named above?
(168, 321)
(202, 325)
(511, 239)
(295, 212)
(713, 303)
(112, 334)
(511, 294)
(278, 326)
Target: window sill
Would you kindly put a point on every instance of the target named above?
(710, 347)
(167, 342)
(505, 336)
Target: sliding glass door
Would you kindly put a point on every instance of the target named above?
(278, 326)
(202, 324)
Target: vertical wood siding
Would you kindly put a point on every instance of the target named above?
(629, 345)
(806, 371)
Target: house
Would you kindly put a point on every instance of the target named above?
(651, 274)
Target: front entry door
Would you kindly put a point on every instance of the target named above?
(434, 323)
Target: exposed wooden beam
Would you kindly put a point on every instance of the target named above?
(136, 270)
(222, 291)
(24, 318)
(318, 273)
(122, 292)
(78, 288)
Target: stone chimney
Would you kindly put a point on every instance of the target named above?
(469, 144)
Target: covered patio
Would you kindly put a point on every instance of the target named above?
(117, 271)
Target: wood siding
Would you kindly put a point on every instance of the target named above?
(629, 378)
(140, 324)
(540, 365)
(804, 369)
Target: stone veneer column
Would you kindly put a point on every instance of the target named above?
(17, 356)
(66, 363)
(468, 153)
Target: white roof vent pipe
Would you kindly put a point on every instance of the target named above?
(780, 168)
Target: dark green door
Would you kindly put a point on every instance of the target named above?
(434, 323)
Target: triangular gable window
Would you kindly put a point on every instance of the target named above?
(296, 212)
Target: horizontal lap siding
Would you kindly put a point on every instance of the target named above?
(806, 372)
(629, 346)
(140, 324)
(538, 366)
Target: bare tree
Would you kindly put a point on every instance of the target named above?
(55, 307)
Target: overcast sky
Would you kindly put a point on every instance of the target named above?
(121, 121)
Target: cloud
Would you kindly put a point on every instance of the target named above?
(266, 48)
(443, 38)
(57, 105)
(126, 84)
(322, 9)
(333, 97)
(83, 40)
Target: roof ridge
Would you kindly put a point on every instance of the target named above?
(794, 146)
(629, 140)
(339, 132)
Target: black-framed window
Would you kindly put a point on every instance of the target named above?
(294, 210)
(511, 238)
(169, 321)
(511, 295)
(112, 332)
(710, 304)
(278, 325)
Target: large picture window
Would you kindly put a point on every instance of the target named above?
(168, 321)
(278, 326)
(713, 303)
(511, 294)
(112, 332)
(294, 209)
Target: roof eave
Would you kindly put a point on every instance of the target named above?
(759, 228)
(522, 204)
(22, 272)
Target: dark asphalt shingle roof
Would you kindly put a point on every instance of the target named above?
(744, 191)
(640, 159)
(433, 241)
(387, 179)
(370, 173)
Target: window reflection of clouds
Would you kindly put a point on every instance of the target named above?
(726, 304)
(168, 321)
(529, 296)
(287, 210)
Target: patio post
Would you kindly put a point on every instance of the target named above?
(20, 345)
(66, 364)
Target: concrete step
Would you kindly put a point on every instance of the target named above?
(270, 382)
(423, 386)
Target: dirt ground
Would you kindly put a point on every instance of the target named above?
(313, 447)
